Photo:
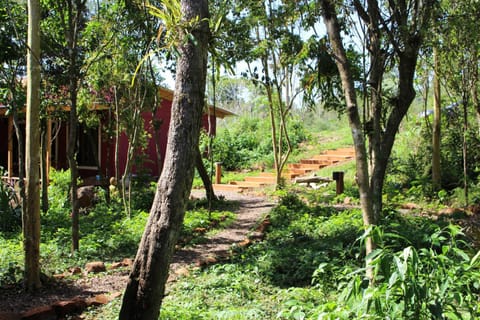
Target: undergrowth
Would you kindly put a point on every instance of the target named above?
(311, 266)
(106, 233)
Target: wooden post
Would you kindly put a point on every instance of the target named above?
(338, 177)
(10, 148)
(218, 172)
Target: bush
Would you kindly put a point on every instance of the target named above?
(438, 282)
(56, 221)
(247, 142)
(411, 162)
(301, 238)
(10, 210)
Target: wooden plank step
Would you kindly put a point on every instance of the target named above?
(301, 171)
(341, 151)
(266, 174)
(285, 174)
(332, 157)
(264, 179)
(311, 166)
(248, 184)
(229, 187)
(323, 162)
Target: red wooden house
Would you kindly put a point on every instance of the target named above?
(96, 152)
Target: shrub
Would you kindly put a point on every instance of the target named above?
(436, 282)
(411, 162)
(10, 210)
(247, 142)
(301, 238)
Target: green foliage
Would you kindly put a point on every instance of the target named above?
(309, 266)
(11, 262)
(143, 192)
(56, 221)
(437, 282)
(200, 221)
(247, 142)
(303, 237)
(10, 209)
(105, 232)
(410, 167)
(230, 291)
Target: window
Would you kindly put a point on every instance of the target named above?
(88, 147)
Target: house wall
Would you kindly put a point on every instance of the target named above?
(4, 142)
(107, 157)
(151, 164)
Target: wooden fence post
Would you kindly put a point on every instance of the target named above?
(338, 177)
(218, 172)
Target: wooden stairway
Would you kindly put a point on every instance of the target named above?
(294, 170)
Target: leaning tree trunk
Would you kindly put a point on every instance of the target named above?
(31, 218)
(202, 172)
(146, 285)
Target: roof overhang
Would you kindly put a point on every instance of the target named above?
(165, 93)
(217, 112)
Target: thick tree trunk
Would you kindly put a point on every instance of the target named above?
(31, 219)
(437, 124)
(146, 285)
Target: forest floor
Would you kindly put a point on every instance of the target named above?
(252, 208)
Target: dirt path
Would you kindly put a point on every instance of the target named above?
(251, 209)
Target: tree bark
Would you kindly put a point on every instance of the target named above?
(72, 163)
(146, 285)
(21, 156)
(344, 68)
(44, 167)
(31, 218)
(74, 15)
(383, 124)
(437, 121)
(207, 182)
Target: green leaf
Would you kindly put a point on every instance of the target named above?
(475, 258)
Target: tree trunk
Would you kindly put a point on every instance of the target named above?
(146, 285)
(362, 176)
(117, 137)
(21, 156)
(437, 124)
(75, 11)
(44, 168)
(72, 163)
(31, 219)
(207, 182)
